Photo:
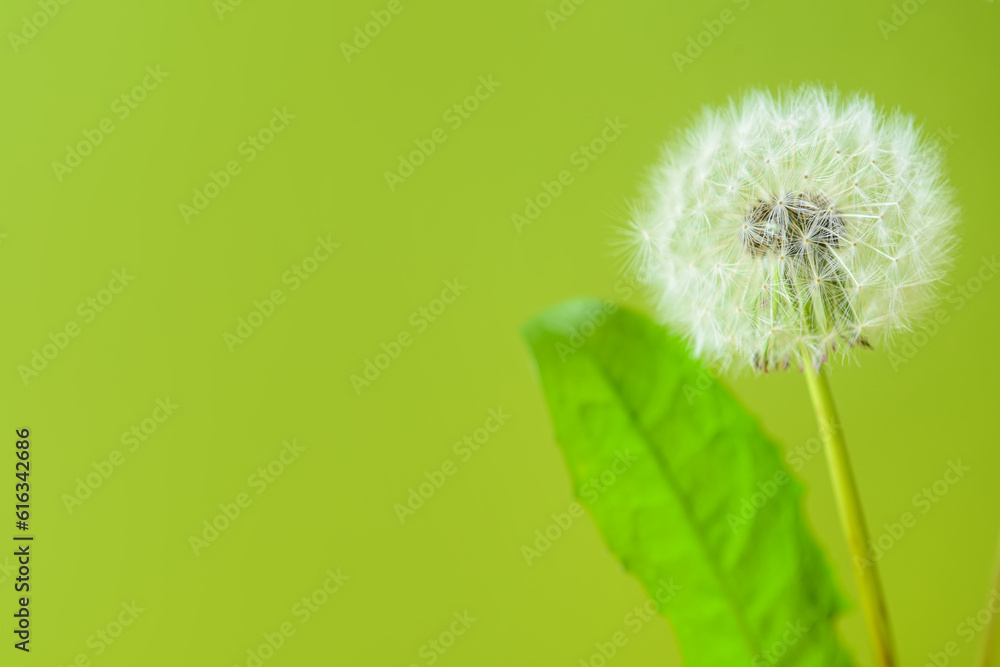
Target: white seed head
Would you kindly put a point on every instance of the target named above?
(781, 231)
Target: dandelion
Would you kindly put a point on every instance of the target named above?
(786, 231)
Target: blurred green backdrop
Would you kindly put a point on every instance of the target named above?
(254, 137)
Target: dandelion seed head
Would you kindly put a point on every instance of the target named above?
(793, 229)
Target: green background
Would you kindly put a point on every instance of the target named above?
(323, 175)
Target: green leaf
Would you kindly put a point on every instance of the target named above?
(699, 495)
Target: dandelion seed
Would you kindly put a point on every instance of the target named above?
(768, 213)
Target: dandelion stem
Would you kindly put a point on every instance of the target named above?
(990, 656)
(851, 516)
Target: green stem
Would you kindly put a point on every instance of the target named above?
(851, 516)
(991, 645)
